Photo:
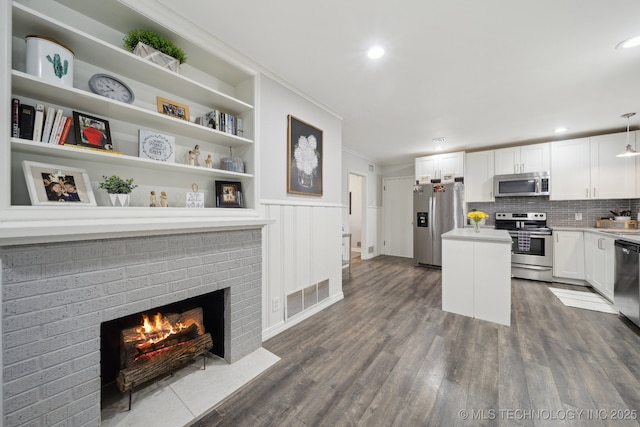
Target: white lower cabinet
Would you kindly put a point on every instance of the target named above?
(568, 255)
(599, 254)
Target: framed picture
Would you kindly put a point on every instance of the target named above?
(304, 158)
(173, 109)
(57, 185)
(229, 194)
(156, 146)
(92, 131)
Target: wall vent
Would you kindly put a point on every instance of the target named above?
(300, 301)
(370, 168)
(371, 249)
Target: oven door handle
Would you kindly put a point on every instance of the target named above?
(532, 267)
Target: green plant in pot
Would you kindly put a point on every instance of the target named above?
(154, 40)
(119, 189)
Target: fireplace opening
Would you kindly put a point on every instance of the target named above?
(140, 347)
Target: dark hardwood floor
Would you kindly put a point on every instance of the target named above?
(387, 355)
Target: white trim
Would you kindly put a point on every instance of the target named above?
(300, 203)
(49, 231)
(305, 314)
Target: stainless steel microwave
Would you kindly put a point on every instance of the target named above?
(521, 184)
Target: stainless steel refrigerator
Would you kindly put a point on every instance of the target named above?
(437, 208)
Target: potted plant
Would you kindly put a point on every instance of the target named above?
(156, 48)
(119, 189)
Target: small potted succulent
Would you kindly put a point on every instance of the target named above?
(119, 189)
(155, 48)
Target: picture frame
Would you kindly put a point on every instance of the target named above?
(229, 194)
(172, 108)
(156, 146)
(304, 158)
(92, 132)
(54, 185)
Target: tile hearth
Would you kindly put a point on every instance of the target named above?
(189, 394)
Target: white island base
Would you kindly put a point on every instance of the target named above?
(476, 274)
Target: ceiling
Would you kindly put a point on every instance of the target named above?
(480, 73)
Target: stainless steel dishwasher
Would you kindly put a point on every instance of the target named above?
(626, 288)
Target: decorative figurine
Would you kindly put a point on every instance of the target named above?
(196, 155)
(153, 201)
(192, 158)
(163, 200)
(208, 162)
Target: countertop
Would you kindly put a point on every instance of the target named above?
(486, 234)
(629, 235)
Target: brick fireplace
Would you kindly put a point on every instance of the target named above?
(55, 297)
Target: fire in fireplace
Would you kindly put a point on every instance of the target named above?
(141, 347)
(160, 346)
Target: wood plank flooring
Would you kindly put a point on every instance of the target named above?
(387, 355)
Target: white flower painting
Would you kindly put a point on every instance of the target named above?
(305, 158)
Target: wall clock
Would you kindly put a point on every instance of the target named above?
(111, 87)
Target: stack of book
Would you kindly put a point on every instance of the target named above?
(39, 124)
(224, 122)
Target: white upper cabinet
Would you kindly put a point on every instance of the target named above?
(527, 158)
(478, 173)
(587, 168)
(440, 164)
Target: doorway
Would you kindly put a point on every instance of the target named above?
(356, 207)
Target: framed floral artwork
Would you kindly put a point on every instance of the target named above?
(304, 158)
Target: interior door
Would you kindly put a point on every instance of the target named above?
(398, 216)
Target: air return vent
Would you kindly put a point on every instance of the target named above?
(300, 301)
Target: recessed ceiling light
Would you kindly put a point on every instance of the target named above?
(561, 130)
(440, 140)
(629, 43)
(375, 52)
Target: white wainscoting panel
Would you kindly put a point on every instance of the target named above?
(303, 248)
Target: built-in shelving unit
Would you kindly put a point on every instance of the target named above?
(201, 87)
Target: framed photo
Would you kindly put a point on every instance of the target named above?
(92, 131)
(229, 194)
(173, 109)
(57, 185)
(304, 158)
(156, 146)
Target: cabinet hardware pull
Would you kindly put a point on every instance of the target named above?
(587, 192)
(522, 168)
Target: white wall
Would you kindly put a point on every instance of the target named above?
(304, 245)
(355, 215)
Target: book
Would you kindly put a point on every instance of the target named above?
(56, 124)
(38, 122)
(211, 119)
(65, 131)
(239, 126)
(15, 118)
(55, 138)
(25, 121)
(48, 124)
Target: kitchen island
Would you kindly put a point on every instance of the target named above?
(476, 274)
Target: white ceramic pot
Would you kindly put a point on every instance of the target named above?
(119, 199)
(49, 60)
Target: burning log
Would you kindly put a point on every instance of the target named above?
(165, 360)
(160, 346)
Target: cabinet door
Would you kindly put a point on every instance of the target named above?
(507, 160)
(426, 166)
(612, 177)
(535, 157)
(590, 248)
(610, 266)
(451, 163)
(479, 176)
(568, 254)
(595, 261)
(570, 177)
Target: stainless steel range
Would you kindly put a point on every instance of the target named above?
(531, 244)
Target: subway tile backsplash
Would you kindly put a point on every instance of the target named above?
(559, 213)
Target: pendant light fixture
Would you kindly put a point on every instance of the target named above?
(629, 151)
